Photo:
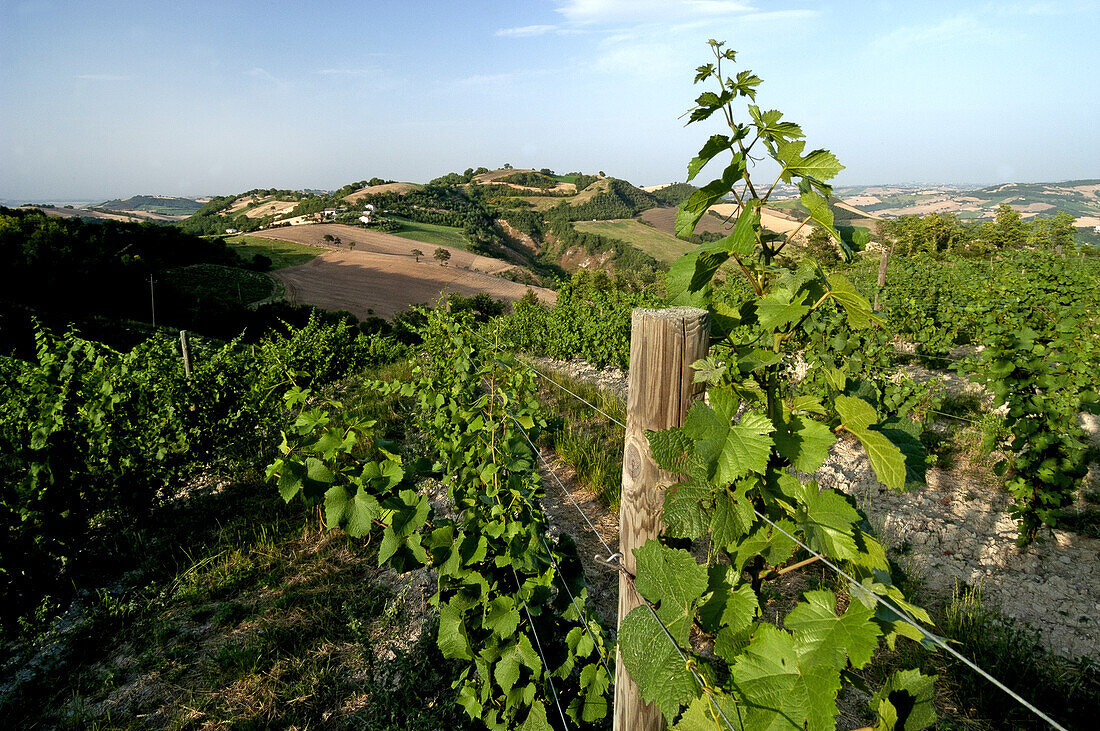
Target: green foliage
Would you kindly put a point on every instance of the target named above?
(1042, 381)
(591, 320)
(91, 436)
(530, 179)
(673, 195)
(498, 592)
(619, 200)
(741, 454)
(940, 234)
(155, 204)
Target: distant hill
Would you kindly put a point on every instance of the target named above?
(1079, 198)
(163, 205)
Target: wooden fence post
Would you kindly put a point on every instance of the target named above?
(881, 276)
(663, 345)
(186, 347)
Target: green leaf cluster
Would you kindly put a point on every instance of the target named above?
(745, 456)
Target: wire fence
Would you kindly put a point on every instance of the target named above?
(612, 558)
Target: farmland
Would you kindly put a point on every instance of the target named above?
(380, 276)
(430, 233)
(282, 253)
(661, 246)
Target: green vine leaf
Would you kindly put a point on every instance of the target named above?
(703, 714)
(699, 203)
(356, 512)
(855, 305)
(516, 655)
(713, 146)
(654, 664)
(536, 718)
(684, 516)
(804, 442)
(827, 520)
(905, 702)
(733, 515)
(674, 581)
(766, 541)
(780, 307)
(826, 639)
(779, 690)
(670, 449)
(747, 448)
(452, 638)
(857, 416)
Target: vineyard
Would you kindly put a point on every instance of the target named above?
(381, 485)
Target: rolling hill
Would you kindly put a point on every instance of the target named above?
(163, 205)
(1079, 198)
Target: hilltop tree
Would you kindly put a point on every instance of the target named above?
(417, 253)
(1052, 233)
(442, 256)
(1009, 230)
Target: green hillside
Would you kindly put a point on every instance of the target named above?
(163, 205)
(659, 245)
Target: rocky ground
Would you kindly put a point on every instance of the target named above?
(955, 529)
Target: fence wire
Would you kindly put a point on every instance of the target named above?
(613, 559)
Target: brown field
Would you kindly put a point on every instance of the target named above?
(494, 176)
(399, 188)
(381, 277)
(664, 219)
(85, 213)
(241, 203)
(769, 219)
(269, 207)
(852, 209)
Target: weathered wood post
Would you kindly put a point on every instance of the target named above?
(663, 345)
(185, 346)
(881, 276)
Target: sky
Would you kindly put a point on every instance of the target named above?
(110, 99)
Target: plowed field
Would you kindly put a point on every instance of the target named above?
(380, 276)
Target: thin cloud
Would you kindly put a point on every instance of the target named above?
(103, 77)
(626, 11)
(268, 78)
(526, 31)
(954, 30)
(345, 72)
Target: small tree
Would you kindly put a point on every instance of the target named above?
(417, 253)
(821, 247)
(442, 256)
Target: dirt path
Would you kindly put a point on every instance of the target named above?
(564, 503)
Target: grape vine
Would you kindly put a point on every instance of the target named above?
(529, 644)
(744, 455)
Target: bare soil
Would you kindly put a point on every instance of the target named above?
(380, 276)
(664, 219)
(398, 188)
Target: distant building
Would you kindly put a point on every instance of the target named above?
(328, 213)
(1096, 229)
(233, 230)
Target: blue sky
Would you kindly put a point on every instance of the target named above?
(106, 99)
